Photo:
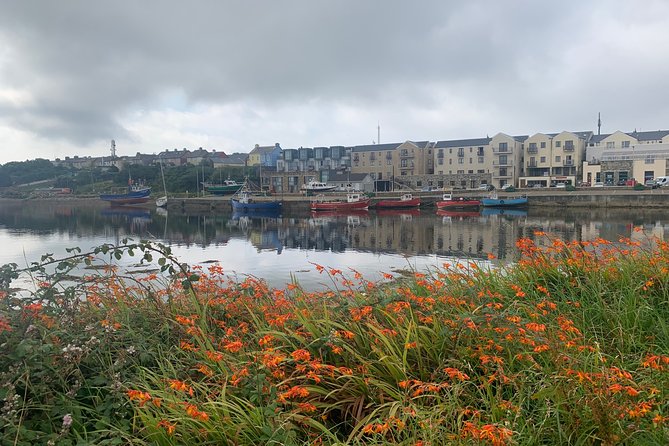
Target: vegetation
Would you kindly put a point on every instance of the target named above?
(178, 179)
(569, 346)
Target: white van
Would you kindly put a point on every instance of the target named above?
(662, 181)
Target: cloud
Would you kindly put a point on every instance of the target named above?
(161, 74)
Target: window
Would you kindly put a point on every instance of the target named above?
(502, 171)
(543, 144)
(450, 151)
(502, 160)
(461, 151)
(461, 171)
(532, 147)
(480, 171)
(543, 159)
(557, 158)
(440, 161)
(461, 160)
(610, 145)
(480, 160)
(503, 146)
(470, 171)
(440, 154)
(450, 161)
(569, 145)
(626, 144)
(389, 161)
(470, 160)
(479, 151)
(558, 143)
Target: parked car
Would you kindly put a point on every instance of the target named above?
(507, 187)
(486, 187)
(651, 183)
(662, 181)
(598, 184)
(584, 184)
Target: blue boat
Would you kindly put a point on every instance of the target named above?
(504, 202)
(133, 195)
(243, 203)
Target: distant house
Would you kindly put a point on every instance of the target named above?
(234, 159)
(197, 156)
(173, 157)
(351, 181)
(265, 156)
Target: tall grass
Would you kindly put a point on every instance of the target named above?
(569, 346)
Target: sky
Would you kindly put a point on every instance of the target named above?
(226, 75)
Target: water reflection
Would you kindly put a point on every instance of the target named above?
(407, 233)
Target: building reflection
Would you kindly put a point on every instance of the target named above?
(426, 232)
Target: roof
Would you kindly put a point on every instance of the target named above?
(463, 143)
(376, 147)
(264, 149)
(649, 136)
(347, 177)
(234, 159)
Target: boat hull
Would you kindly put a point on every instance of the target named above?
(458, 204)
(339, 205)
(398, 204)
(134, 197)
(504, 202)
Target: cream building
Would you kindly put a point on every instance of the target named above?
(507, 154)
(552, 158)
(615, 158)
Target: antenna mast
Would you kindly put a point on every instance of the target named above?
(113, 149)
(378, 134)
(599, 123)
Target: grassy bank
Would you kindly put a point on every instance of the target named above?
(569, 346)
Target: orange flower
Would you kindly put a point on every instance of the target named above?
(301, 355)
(138, 395)
(233, 346)
(169, 427)
(180, 386)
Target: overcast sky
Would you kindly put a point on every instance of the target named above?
(227, 75)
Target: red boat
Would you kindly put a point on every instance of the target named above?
(448, 202)
(354, 201)
(404, 202)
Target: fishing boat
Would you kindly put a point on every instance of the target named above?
(354, 201)
(244, 202)
(406, 201)
(134, 194)
(226, 188)
(448, 202)
(493, 200)
(317, 186)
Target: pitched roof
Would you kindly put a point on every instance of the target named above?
(347, 177)
(376, 147)
(649, 136)
(462, 143)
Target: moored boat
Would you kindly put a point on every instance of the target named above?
(493, 200)
(134, 194)
(354, 201)
(243, 202)
(448, 202)
(404, 202)
(317, 186)
(228, 187)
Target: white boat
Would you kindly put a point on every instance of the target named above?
(317, 186)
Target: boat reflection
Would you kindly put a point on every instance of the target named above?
(401, 212)
(504, 211)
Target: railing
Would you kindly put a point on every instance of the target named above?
(532, 150)
(568, 148)
(568, 163)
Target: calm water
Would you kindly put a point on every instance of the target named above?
(277, 249)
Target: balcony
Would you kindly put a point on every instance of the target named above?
(568, 148)
(532, 150)
(568, 162)
(501, 150)
(532, 164)
(406, 154)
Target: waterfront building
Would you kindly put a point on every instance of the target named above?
(507, 164)
(614, 158)
(463, 163)
(552, 158)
